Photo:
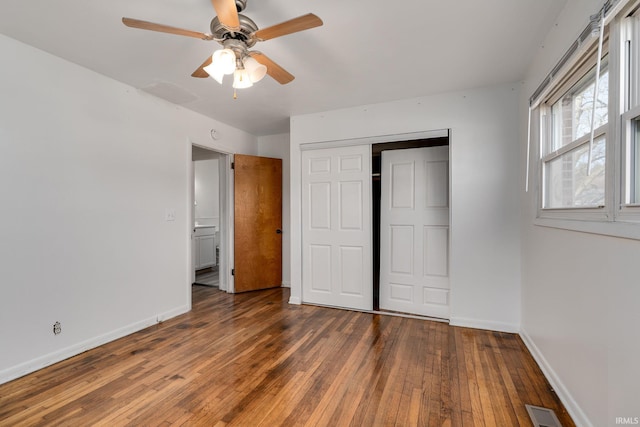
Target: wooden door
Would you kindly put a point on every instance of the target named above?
(414, 231)
(257, 223)
(336, 220)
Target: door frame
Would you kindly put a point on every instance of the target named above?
(226, 217)
(296, 188)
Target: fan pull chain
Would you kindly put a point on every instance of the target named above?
(235, 95)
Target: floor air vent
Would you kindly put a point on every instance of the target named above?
(542, 417)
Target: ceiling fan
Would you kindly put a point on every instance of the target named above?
(237, 33)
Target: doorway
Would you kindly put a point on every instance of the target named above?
(246, 196)
(210, 225)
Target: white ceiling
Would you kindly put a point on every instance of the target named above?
(368, 51)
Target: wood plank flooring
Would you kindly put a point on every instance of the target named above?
(208, 277)
(254, 360)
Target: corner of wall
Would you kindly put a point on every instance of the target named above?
(577, 414)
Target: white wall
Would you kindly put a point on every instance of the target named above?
(580, 291)
(277, 146)
(207, 192)
(88, 169)
(485, 245)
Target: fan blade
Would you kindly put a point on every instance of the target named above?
(278, 73)
(144, 25)
(227, 13)
(200, 72)
(294, 25)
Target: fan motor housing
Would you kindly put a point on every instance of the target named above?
(240, 5)
(247, 27)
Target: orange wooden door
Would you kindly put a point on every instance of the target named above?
(258, 222)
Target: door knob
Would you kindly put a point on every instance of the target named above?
(278, 231)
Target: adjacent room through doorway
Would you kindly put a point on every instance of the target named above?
(207, 218)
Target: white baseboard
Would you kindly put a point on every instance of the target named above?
(578, 415)
(295, 300)
(172, 313)
(484, 324)
(65, 353)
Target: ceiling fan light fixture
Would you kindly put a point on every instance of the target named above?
(241, 79)
(255, 70)
(214, 73)
(236, 33)
(223, 61)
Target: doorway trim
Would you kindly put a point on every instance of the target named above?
(378, 139)
(225, 219)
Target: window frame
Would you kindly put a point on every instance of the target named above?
(573, 76)
(629, 211)
(617, 218)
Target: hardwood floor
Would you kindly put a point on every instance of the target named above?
(208, 277)
(254, 360)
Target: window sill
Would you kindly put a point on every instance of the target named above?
(621, 229)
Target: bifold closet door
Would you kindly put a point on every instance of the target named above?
(336, 221)
(414, 231)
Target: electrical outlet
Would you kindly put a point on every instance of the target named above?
(57, 328)
(170, 215)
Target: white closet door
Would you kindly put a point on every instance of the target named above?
(336, 221)
(414, 231)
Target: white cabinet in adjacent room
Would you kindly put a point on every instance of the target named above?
(205, 247)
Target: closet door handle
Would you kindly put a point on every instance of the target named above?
(278, 231)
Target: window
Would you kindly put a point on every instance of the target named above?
(568, 182)
(584, 183)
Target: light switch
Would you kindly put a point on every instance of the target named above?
(170, 215)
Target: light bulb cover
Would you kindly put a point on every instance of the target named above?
(224, 61)
(255, 70)
(214, 73)
(241, 79)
